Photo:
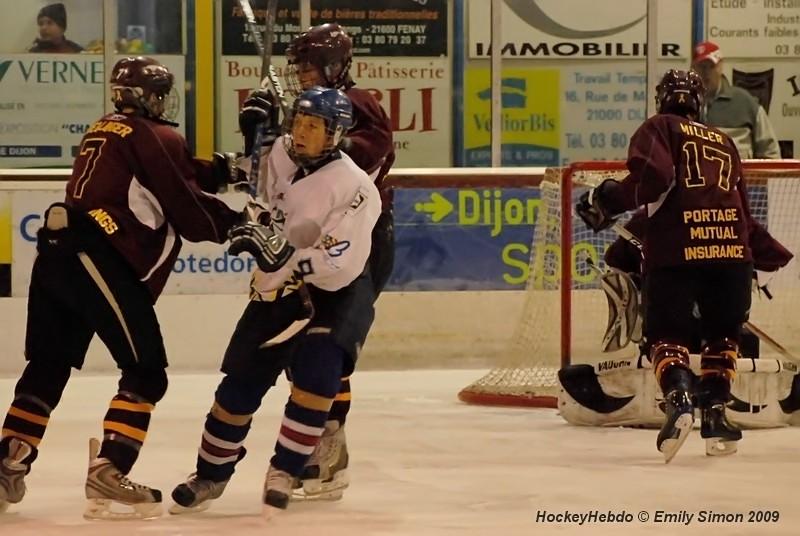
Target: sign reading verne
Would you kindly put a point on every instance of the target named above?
(47, 102)
(385, 28)
(592, 29)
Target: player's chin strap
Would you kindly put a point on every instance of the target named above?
(760, 333)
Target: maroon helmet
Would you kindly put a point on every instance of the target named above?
(141, 83)
(327, 48)
(680, 93)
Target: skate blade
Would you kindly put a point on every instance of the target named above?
(177, 509)
(670, 447)
(718, 447)
(101, 509)
(331, 495)
(315, 489)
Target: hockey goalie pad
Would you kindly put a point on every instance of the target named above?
(624, 392)
(624, 321)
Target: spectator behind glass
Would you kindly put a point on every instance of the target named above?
(52, 20)
(733, 109)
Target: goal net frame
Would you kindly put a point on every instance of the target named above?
(498, 386)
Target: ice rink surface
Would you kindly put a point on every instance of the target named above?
(422, 464)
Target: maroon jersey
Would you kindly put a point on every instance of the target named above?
(689, 176)
(372, 147)
(136, 179)
(769, 255)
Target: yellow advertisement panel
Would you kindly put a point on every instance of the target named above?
(531, 123)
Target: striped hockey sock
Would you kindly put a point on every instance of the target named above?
(341, 404)
(222, 443)
(125, 429)
(302, 426)
(27, 420)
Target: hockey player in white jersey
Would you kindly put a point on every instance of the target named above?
(315, 236)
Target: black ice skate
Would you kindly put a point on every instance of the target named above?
(196, 494)
(721, 436)
(679, 421)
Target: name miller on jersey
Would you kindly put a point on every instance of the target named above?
(699, 131)
(568, 48)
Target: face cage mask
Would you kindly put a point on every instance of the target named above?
(164, 107)
(333, 136)
(295, 87)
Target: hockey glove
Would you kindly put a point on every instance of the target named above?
(227, 174)
(270, 250)
(592, 211)
(256, 212)
(260, 108)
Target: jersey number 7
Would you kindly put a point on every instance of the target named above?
(91, 147)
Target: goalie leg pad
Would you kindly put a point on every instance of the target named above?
(624, 321)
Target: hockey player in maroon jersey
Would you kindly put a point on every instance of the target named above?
(321, 57)
(769, 255)
(696, 250)
(104, 256)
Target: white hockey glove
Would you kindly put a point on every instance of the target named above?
(270, 250)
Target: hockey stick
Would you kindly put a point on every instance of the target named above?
(760, 333)
(269, 81)
(269, 77)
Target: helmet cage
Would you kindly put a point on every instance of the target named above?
(328, 48)
(334, 132)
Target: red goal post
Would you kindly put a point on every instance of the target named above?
(547, 338)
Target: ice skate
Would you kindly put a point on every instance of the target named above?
(12, 473)
(106, 486)
(721, 436)
(678, 424)
(325, 474)
(277, 491)
(195, 495)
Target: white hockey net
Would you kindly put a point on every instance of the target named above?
(559, 327)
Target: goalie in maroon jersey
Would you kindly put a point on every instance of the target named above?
(769, 255)
(696, 250)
